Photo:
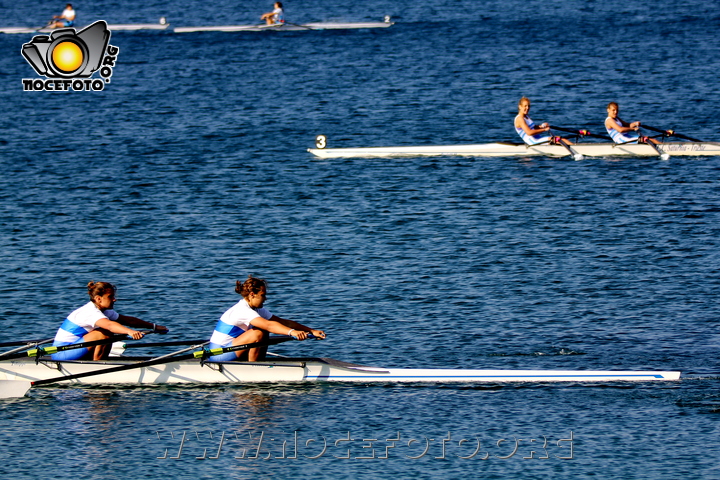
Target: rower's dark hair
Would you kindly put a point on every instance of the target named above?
(100, 288)
(279, 4)
(612, 104)
(251, 285)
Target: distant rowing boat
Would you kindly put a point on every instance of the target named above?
(294, 370)
(288, 27)
(508, 149)
(161, 25)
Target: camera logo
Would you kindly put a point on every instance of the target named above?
(68, 59)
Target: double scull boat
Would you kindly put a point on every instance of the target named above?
(22, 373)
(511, 149)
(18, 373)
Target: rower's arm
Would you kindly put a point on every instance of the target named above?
(282, 326)
(115, 327)
(520, 122)
(621, 126)
(137, 323)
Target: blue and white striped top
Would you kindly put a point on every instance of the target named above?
(531, 139)
(618, 137)
(235, 322)
(81, 322)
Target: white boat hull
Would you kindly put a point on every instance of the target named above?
(285, 27)
(298, 370)
(521, 150)
(112, 28)
(138, 26)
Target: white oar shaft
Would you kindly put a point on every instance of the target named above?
(194, 347)
(663, 155)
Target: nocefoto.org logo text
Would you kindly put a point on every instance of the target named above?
(68, 59)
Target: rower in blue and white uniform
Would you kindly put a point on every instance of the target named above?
(248, 322)
(97, 320)
(620, 130)
(277, 16)
(530, 133)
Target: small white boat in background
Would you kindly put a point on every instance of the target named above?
(161, 25)
(288, 27)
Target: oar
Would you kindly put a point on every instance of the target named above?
(646, 141)
(40, 351)
(18, 388)
(581, 132)
(669, 133)
(574, 154)
(32, 343)
(297, 25)
(175, 343)
(23, 342)
(50, 22)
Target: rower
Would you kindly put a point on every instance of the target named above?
(248, 322)
(97, 320)
(621, 131)
(65, 19)
(530, 133)
(276, 17)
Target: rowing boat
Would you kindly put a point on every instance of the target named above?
(161, 25)
(18, 373)
(287, 27)
(292, 370)
(509, 149)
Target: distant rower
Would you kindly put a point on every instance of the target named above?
(65, 19)
(275, 17)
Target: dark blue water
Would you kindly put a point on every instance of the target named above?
(189, 171)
